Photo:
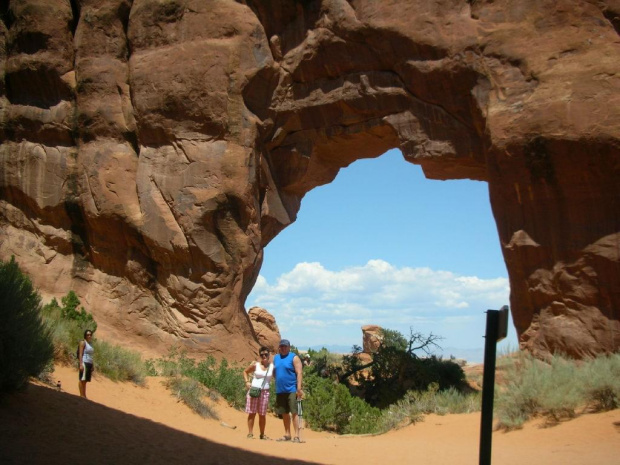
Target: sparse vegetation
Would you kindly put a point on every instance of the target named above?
(192, 394)
(222, 377)
(67, 324)
(25, 343)
(118, 363)
(557, 390)
(396, 387)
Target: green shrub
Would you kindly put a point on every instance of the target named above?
(118, 363)
(69, 311)
(67, 325)
(330, 406)
(191, 393)
(151, 367)
(224, 378)
(175, 363)
(363, 419)
(221, 377)
(25, 343)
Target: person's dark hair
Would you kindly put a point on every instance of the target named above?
(87, 331)
(263, 349)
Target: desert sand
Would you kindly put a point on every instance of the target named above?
(125, 424)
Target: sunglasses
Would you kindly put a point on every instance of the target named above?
(264, 354)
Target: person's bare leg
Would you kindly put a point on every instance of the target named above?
(251, 417)
(262, 421)
(286, 419)
(82, 387)
(296, 424)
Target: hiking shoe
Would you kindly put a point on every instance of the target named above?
(250, 436)
(297, 440)
(284, 438)
(262, 436)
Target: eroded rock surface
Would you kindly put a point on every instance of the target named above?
(372, 337)
(152, 148)
(265, 328)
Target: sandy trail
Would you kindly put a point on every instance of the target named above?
(126, 424)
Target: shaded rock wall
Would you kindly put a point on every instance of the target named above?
(152, 148)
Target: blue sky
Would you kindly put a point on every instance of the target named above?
(383, 245)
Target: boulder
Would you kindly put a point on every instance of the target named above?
(265, 328)
(372, 338)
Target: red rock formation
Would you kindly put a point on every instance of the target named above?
(265, 328)
(372, 338)
(150, 149)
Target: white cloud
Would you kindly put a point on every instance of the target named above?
(340, 302)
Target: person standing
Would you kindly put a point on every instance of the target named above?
(261, 373)
(85, 358)
(289, 377)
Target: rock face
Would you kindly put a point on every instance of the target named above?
(265, 328)
(152, 148)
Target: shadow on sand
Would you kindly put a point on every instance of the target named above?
(44, 426)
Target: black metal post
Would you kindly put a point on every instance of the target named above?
(488, 386)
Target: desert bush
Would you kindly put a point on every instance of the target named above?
(330, 406)
(395, 372)
(67, 325)
(151, 367)
(192, 394)
(561, 389)
(69, 311)
(402, 413)
(222, 377)
(412, 407)
(225, 378)
(557, 389)
(324, 362)
(363, 418)
(25, 343)
(450, 400)
(174, 363)
(118, 363)
(602, 382)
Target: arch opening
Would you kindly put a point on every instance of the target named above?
(381, 244)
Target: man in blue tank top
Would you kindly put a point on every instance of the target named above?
(288, 375)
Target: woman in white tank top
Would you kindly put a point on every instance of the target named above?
(261, 373)
(85, 361)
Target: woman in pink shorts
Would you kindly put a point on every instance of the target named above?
(262, 372)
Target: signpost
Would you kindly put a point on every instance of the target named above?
(497, 329)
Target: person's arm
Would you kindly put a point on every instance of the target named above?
(299, 374)
(246, 374)
(81, 354)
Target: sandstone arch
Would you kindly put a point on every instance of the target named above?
(152, 148)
